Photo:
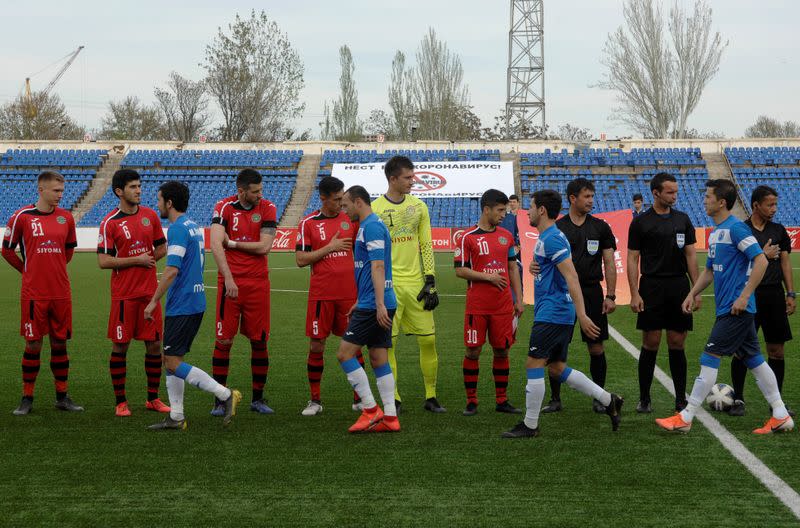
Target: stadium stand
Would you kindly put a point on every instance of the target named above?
(19, 169)
(778, 167)
(614, 190)
(210, 175)
(444, 212)
(667, 157)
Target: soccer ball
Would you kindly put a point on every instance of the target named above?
(721, 397)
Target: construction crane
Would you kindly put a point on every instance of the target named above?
(32, 110)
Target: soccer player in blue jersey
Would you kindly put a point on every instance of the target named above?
(736, 264)
(558, 302)
(371, 317)
(186, 302)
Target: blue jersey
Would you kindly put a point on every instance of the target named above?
(553, 303)
(186, 295)
(731, 250)
(373, 243)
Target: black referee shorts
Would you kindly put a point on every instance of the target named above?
(593, 302)
(771, 314)
(179, 333)
(662, 298)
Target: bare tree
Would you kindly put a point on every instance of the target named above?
(401, 97)
(41, 117)
(129, 118)
(518, 130)
(255, 76)
(346, 125)
(440, 95)
(185, 107)
(767, 127)
(379, 122)
(659, 80)
(568, 132)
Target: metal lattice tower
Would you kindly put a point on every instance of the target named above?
(525, 90)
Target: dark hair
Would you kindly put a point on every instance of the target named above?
(329, 185)
(513, 197)
(657, 183)
(550, 200)
(396, 164)
(50, 175)
(357, 191)
(493, 197)
(122, 177)
(761, 192)
(177, 193)
(638, 196)
(575, 187)
(248, 177)
(723, 190)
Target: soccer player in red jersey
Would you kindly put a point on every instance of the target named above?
(325, 242)
(46, 236)
(486, 258)
(131, 241)
(242, 229)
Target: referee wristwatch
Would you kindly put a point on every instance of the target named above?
(611, 297)
(791, 294)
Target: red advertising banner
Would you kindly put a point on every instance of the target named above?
(619, 222)
(442, 240)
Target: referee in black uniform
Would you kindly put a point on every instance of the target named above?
(773, 305)
(592, 244)
(664, 239)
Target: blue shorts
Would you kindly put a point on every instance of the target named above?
(179, 332)
(364, 329)
(550, 341)
(734, 335)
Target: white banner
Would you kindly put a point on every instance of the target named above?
(434, 179)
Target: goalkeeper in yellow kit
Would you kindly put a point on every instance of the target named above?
(413, 265)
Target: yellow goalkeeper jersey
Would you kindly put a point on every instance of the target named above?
(410, 228)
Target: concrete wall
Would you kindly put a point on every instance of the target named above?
(318, 147)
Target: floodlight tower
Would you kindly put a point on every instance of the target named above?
(525, 76)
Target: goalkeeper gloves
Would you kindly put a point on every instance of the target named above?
(428, 294)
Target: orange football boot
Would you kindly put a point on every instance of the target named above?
(157, 405)
(773, 425)
(674, 423)
(369, 418)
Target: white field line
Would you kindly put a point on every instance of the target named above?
(753, 464)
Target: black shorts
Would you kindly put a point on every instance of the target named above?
(550, 341)
(593, 302)
(179, 332)
(663, 297)
(364, 330)
(734, 335)
(771, 314)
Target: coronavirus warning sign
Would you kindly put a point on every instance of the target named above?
(436, 179)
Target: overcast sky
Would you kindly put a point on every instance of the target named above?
(132, 46)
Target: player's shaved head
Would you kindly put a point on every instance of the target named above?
(357, 192)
